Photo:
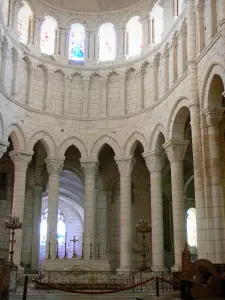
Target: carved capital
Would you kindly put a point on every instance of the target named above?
(89, 167)
(154, 160)
(21, 160)
(175, 150)
(125, 165)
(213, 116)
(54, 166)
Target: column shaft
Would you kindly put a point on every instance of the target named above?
(90, 169)
(125, 166)
(21, 161)
(54, 167)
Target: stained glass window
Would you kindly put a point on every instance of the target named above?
(48, 35)
(134, 31)
(191, 227)
(107, 42)
(24, 15)
(76, 42)
(61, 227)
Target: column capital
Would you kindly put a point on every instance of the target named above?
(89, 166)
(154, 160)
(213, 115)
(54, 166)
(21, 159)
(175, 149)
(3, 148)
(125, 165)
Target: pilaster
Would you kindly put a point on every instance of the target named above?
(155, 77)
(86, 83)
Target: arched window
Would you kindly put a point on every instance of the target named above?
(24, 15)
(77, 42)
(48, 35)
(134, 32)
(157, 23)
(191, 227)
(107, 42)
(61, 227)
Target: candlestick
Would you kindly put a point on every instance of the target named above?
(49, 246)
(82, 255)
(57, 250)
(65, 252)
(98, 255)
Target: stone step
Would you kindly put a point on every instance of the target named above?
(116, 296)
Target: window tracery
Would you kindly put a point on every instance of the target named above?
(24, 15)
(107, 42)
(48, 35)
(77, 42)
(134, 32)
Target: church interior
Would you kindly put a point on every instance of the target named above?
(112, 120)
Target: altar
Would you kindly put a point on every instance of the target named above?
(75, 264)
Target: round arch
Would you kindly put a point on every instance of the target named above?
(214, 72)
(153, 141)
(17, 136)
(177, 119)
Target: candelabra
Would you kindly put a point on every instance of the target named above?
(143, 227)
(13, 223)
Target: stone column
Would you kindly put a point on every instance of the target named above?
(90, 168)
(145, 39)
(121, 43)
(155, 162)
(30, 89)
(183, 50)
(125, 166)
(212, 120)
(15, 73)
(54, 167)
(4, 52)
(196, 132)
(173, 62)
(48, 90)
(166, 69)
(17, 6)
(104, 83)
(155, 77)
(175, 150)
(38, 190)
(86, 82)
(21, 161)
(200, 40)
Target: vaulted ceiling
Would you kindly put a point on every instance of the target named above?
(92, 5)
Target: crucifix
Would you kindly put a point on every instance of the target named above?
(74, 242)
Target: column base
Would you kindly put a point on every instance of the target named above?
(125, 269)
(159, 269)
(176, 268)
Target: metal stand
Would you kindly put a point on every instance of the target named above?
(90, 256)
(65, 253)
(98, 251)
(82, 255)
(74, 243)
(143, 227)
(49, 246)
(57, 250)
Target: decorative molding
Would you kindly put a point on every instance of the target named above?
(21, 160)
(54, 166)
(89, 167)
(154, 160)
(125, 165)
(176, 149)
